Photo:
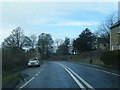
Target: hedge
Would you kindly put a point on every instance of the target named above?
(111, 58)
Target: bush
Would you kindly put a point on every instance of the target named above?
(111, 58)
(13, 59)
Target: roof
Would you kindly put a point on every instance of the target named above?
(116, 24)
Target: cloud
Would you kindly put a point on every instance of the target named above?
(42, 13)
(59, 13)
(4, 34)
(76, 23)
(59, 0)
(39, 21)
(37, 17)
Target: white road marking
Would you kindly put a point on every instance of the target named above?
(36, 74)
(30, 79)
(26, 83)
(75, 79)
(102, 70)
(106, 71)
(87, 84)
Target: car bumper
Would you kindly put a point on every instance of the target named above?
(33, 64)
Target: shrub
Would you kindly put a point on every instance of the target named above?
(111, 58)
(13, 58)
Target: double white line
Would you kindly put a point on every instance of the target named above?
(73, 74)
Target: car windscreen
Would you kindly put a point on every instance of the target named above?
(33, 59)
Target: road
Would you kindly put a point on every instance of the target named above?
(60, 74)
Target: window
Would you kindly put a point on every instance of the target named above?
(112, 47)
(118, 47)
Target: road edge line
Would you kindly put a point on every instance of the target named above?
(31, 79)
(99, 69)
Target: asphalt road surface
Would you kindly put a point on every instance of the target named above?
(60, 74)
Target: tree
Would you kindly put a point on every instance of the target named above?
(13, 54)
(44, 45)
(58, 42)
(16, 39)
(104, 28)
(67, 43)
(33, 41)
(63, 49)
(85, 41)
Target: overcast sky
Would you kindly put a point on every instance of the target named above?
(60, 19)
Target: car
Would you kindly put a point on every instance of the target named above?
(34, 62)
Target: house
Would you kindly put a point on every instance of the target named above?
(101, 44)
(115, 36)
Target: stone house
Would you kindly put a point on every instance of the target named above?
(115, 36)
(101, 44)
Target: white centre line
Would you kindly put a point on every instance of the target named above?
(71, 71)
(75, 79)
(88, 85)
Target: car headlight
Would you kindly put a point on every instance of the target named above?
(36, 62)
(29, 63)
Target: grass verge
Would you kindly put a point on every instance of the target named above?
(41, 62)
(9, 80)
(95, 61)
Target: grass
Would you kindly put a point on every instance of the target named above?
(18, 69)
(9, 80)
(41, 62)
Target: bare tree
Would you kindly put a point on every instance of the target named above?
(16, 39)
(104, 28)
(58, 42)
(33, 39)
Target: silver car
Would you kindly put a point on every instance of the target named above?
(34, 62)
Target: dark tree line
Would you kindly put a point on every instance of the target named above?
(85, 42)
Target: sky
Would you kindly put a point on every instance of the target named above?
(60, 19)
